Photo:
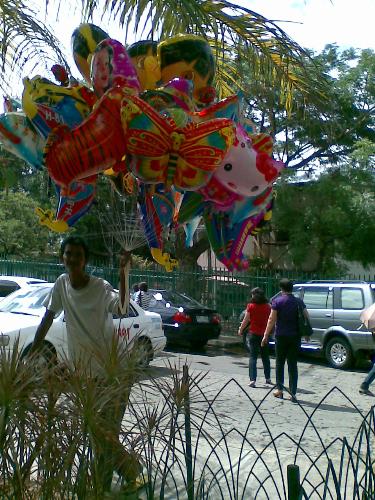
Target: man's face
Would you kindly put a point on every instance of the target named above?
(74, 258)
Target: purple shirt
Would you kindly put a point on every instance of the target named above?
(286, 306)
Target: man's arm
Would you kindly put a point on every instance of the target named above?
(42, 330)
(244, 323)
(270, 325)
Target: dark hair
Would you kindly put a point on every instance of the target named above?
(258, 296)
(141, 48)
(188, 48)
(135, 287)
(286, 285)
(143, 286)
(76, 241)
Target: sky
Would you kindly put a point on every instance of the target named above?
(311, 23)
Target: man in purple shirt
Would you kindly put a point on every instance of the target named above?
(284, 317)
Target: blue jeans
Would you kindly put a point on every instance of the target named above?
(369, 379)
(255, 349)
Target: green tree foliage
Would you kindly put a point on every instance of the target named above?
(316, 134)
(20, 233)
(333, 216)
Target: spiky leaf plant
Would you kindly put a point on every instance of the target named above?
(238, 35)
(24, 39)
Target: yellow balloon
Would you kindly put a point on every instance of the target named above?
(143, 56)
(190, 57)
(85, 38)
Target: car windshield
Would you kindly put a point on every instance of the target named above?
(175, 299)
(28, 302)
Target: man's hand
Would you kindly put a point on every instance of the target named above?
(264, 341)
(239, 332)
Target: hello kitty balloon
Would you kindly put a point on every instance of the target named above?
(246, 170)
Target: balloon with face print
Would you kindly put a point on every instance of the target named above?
(245, 172)
(189, 56)
(84, 41)
(144, 58)
(111, 66)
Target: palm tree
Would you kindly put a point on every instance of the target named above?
(239, 36)
(23, 39)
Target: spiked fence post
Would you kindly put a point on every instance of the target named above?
(188, 449)
(294, 486)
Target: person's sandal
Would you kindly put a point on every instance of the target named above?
(278, 394)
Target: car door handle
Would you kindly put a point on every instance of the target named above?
(329, 315)
(136, 325)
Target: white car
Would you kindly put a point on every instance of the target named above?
(9, 284)
(22, 311)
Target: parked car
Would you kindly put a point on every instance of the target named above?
(185, 321)
(21, 313)
(334, 308)
(9, 284)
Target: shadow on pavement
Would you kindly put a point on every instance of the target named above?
(327, 407)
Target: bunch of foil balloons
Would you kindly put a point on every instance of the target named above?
(147, 117)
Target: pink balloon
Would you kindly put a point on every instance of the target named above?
(111, 66)
(245, 172)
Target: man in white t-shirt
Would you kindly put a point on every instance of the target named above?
(88, 303)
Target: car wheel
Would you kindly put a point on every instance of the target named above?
(339, 354)
(144, 352)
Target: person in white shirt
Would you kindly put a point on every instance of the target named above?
(88, 303)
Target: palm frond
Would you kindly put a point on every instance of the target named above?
(24, 39)
(235, 31)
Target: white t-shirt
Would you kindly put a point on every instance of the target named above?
(88, 317)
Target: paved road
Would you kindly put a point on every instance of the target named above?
(252, 420)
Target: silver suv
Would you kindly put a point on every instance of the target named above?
(334, 308)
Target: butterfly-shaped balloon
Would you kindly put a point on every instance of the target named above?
(161, 152)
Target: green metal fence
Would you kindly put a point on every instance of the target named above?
(225, 291)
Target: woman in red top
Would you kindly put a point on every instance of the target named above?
(256, 317)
